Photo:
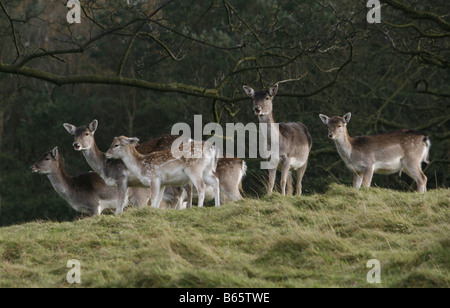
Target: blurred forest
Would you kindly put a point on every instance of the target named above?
(141, 66)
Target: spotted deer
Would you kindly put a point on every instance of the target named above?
(160, 169)
(294, 140)
(85, 193)
(402, 150)
(230, 171)
(113, 171)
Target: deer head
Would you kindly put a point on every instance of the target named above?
(47, 163)
(83, 135)
(262, 100)
(337, 126)
(120, 147)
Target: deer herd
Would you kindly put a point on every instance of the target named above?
(148, 173)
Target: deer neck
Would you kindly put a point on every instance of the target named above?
(134, 161)
(61, 181)
(96, 159)
(267, 118)
(272, 130)
(344, 146)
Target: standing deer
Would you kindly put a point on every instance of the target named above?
(295, 142)
(159, 169)
(388, 153)
(85, 193)
(230, 171)
(113, 171)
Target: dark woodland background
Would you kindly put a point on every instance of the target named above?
(141, 66)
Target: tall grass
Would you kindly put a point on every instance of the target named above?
(320, 240)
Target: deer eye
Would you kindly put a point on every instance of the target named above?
(87, 134)
(116, 146)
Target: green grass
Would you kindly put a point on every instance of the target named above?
(321, 240)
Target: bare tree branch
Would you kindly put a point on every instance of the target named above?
(13, 30)
(419, 14)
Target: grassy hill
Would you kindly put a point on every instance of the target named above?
(321, 240)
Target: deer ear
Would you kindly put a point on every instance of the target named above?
(249, 91)
(347, 117)
(55, 153)
(70, 128)
(132, 141)
(324, 119)
(274, 90)
(93, 126)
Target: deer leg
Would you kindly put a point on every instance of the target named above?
(199, 185)
(201, 193)
(418, 176)
(155, 187)
(122, 196)
(190, 192)
(160, 195)
(213, 181)
(179, 193)
(96, 210)
(290, 184)
(181, 196)
(367, 176)
(300, 173)
(232, 192)
(272, 176)
(421, 182)
(357, 180)
(229, 189)
(284, 175)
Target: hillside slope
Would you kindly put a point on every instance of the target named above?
(309, 241)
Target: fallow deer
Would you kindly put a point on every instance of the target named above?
(159, 169)
(402, 150)
(113, 171)
(294, 140)
(230, 171)
(85, 193)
